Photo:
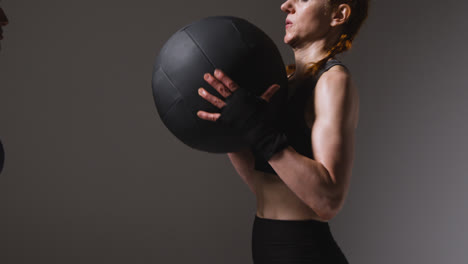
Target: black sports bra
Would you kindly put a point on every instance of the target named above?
(294, 125)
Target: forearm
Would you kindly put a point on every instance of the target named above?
(309, 180)
(243, 162)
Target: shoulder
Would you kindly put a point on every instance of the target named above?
(336, 75)
(335, 81)
(336, 96)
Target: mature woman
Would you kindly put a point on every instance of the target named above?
(300, 168)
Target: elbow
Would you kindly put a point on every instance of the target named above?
(326, 215)
(329, 209)
(329, 202)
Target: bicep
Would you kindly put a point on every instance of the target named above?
(333, 131)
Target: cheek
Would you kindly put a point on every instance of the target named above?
(314, 16)
(314, 24)
(307, 27)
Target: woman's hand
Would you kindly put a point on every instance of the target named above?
(244, 112)
(226, 87)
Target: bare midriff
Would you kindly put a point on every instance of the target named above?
(276, 201)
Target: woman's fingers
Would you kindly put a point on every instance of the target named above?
(215, 83)
(208, 116)
(211, 98)
(270, 92)
(227, 82)
(225, 86)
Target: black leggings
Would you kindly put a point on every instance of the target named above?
(293, 242)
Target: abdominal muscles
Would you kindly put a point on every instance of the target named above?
(276, 201)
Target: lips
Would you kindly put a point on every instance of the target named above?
(288, 22)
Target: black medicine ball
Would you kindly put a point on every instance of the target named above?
(237, 47)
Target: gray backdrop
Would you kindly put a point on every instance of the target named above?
(93, 176)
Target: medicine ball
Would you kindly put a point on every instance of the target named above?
(237, 47)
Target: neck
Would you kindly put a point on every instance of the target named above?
(311, 52)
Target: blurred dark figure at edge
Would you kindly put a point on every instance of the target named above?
(3, 22)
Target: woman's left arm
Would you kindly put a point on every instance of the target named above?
(322, 183)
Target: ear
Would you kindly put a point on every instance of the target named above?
(340, 15)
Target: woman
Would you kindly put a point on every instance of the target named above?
(299, 171)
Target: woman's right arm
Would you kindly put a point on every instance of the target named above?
(244, 161)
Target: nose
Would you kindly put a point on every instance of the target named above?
(287, 7)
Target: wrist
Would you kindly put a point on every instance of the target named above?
(270, 144)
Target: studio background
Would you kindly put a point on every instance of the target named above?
(93, 176)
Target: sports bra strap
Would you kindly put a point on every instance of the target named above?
(328, 65)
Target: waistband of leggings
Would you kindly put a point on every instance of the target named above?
(309, 221)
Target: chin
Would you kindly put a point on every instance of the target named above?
(289, 41)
